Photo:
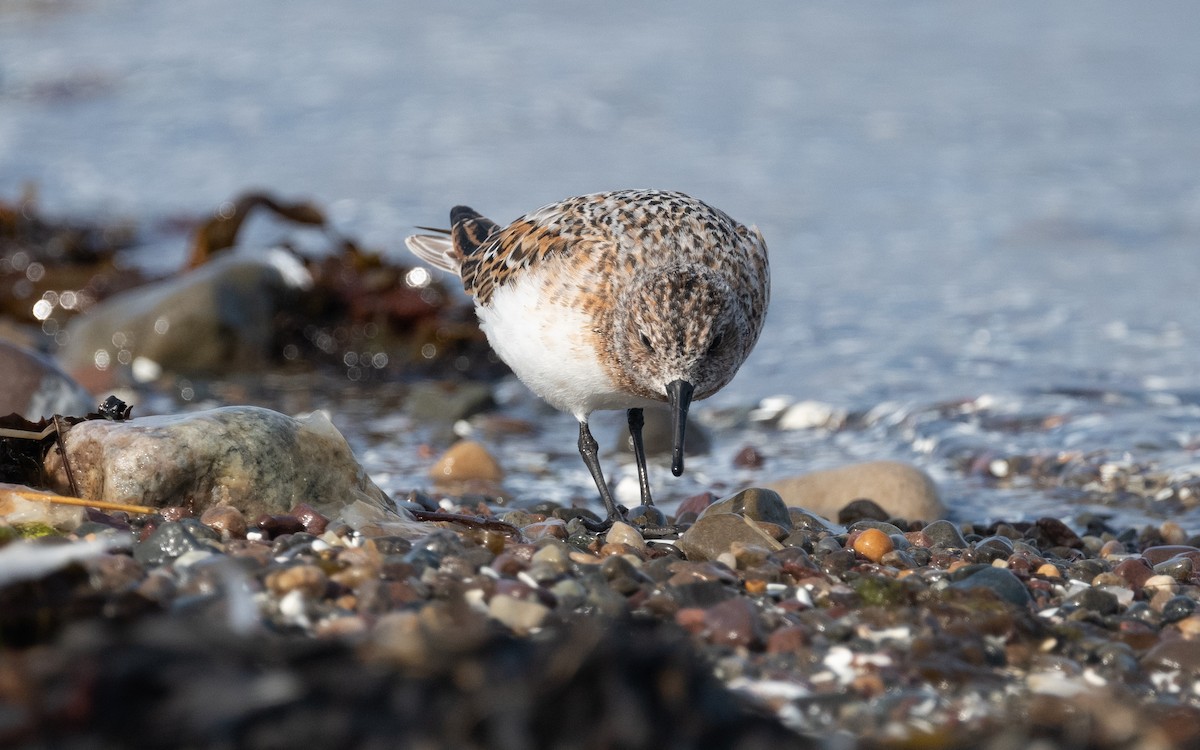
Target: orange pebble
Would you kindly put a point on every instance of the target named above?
(873, 544)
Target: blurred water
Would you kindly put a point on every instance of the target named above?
(961, 200)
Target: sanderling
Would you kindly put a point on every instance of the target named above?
(614, 300)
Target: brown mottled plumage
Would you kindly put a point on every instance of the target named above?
(613, 301)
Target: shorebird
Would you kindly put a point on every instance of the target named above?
(616, 300)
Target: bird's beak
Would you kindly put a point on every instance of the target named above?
(679, 395)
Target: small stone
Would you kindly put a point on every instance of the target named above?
(945, 534)
(345, 626)
(170, 540)
(1111, 581)
(778, 533)
(748, 458)
(683, 572)
(1178, 608)
(1171, 655)
(314, 522)
(1172, 533)
(1159, 600)
(1180, 568)
(1095, 600)
(551, 553)
(226, 521)
(551, 528)
(519, 615)
(712, 535)
(1163, 552)
(1000, 581)
(646, 515)
(695, 504)
(860, 510)
(111, 573)
(1111, 549)
(756, 587)
(691, 619)
(811, 522)
(733, 622)
(310, 580)
(569, 593)
(1189, 627)
(466, 461)
(1058, 534)
(277, 525)
(1135, 571)
(584, 558)
(175, 512)
(992, 548)
(623, 533)
(792, 639)
(748, 555)
(873, 544)
(1157, 583)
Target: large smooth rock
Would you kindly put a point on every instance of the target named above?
(755, 503)
(34, 387)
(257, 460)
(903, 490)
(713, 535)
(217, 318)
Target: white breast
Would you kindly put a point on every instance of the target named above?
(549, 348)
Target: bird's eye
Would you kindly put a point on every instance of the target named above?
(646, 342)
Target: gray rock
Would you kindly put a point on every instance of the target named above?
(171, 540)
(214, 319)
(256, 460)
(1000, 581)
(712, 535)
(1178, 607)
(992, 548)
(755, 503)
(34, 387)
(1180, 568)
(862, 509)
(1095, 600)
(945, 534)
(903, 490)
(803, 519)
(645, 515)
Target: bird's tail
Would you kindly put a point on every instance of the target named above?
(437, 251)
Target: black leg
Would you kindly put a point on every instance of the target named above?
(591, 458)
(639, 453)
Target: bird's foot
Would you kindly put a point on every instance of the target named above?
(599, 527)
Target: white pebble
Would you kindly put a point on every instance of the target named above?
(292, 607)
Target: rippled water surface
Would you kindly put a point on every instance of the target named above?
(984, 220)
